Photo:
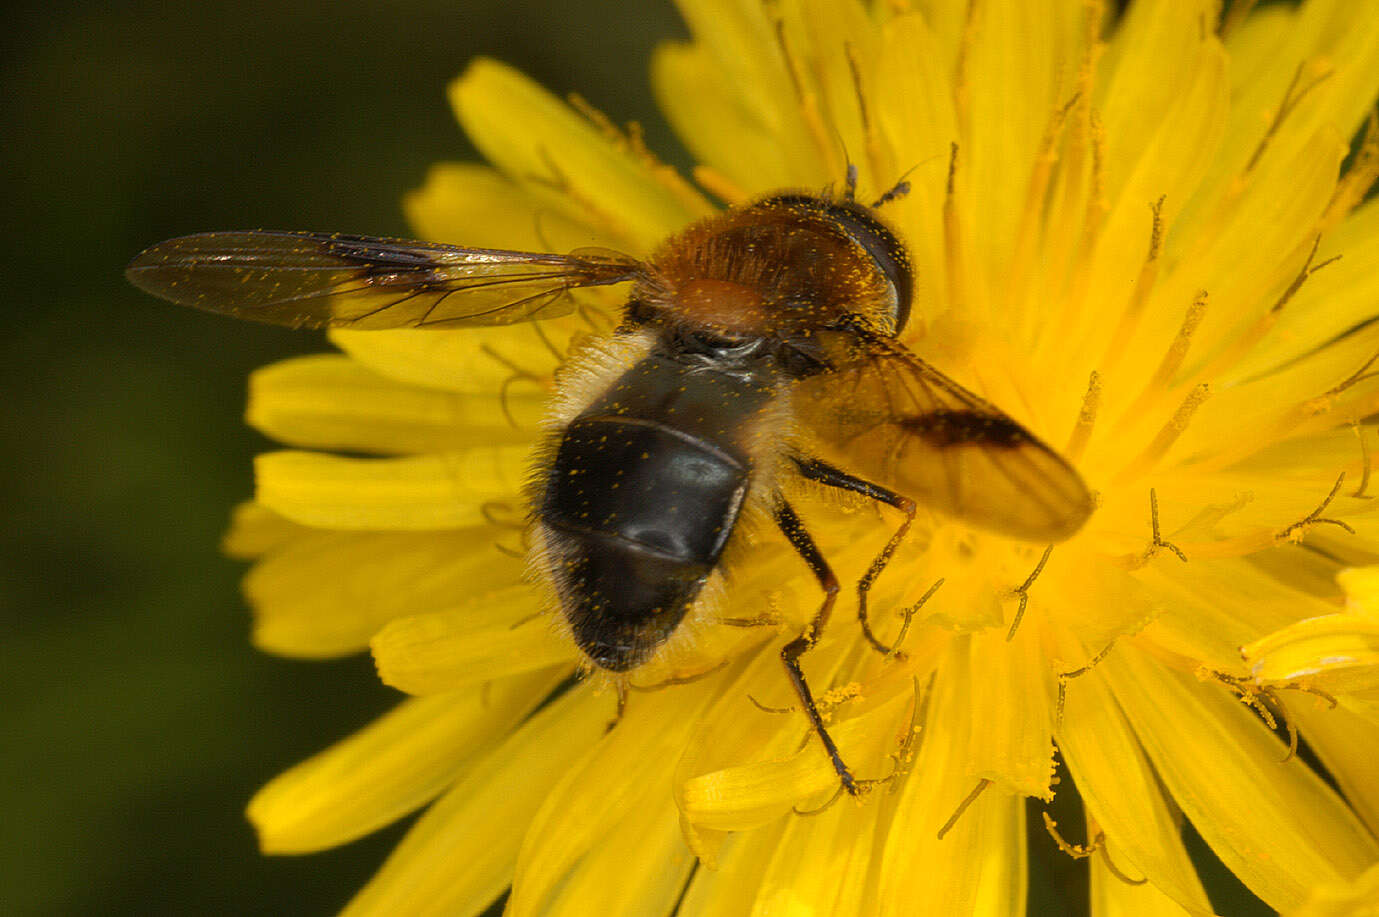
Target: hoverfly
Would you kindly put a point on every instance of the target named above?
(755, 344)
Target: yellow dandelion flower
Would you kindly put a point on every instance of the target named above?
(1144, 236)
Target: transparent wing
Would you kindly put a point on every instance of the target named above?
(309, 279)
(885, 414)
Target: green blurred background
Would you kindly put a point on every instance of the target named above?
(137, 720)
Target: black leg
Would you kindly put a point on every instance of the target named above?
(790, 654)
(826, 474)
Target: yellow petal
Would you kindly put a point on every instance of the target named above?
(328, 593)
(1012, 743)
(470, 361)
(443, 491)
(749, 795)
(1344, 741)
(475, 205)
(1119, 788)
(1021, 66)
(1152, 60)
(730, 890)
(979, 867)
(639, 867)
(1275, 824)
(490, 636)
(914, 105)
(737, 68)
(397, 763)
(535, 139)
(1361, 585)
(718, 129)
(1245, 253)
(822, 864)
(1255, 44)
(1353, 899)
(1329, 47)
(1209, 611)
(596, 794)
(256, 530)
(459, 855)
(1113, 896)
(332, 402)
(1151, 162)
(1335, 299)
(1338, 654)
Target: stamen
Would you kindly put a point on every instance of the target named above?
(720, 186)
(1300, 413)
(1298, 530)
(869, 133)
(494, 513)
(679, 679)
(1262, 700)
(1063, 237)
(1167, 436)
(765, 708)
(1246, 341)
(1094, 214)
(1144, 283)
(805, 97)
(766, 619)
(971, 797)
(952, 231)
(518, 375)
(1065, 677)
(908, 614)
(904, 757)
(1354, 185)
(1364, 462)
(1292, 97)
(1112, 868)
(1158, 542)
(1032, 215)
(1023, 592)
(837, 794)
(1172, 360)
(620, 686)
(1098, 204)
(961, 77)
(1076, 851)
(559, 182)
(598, 320)
(1355, 378)
(526, 619)
(1086, 419)
(632, 141)
(1232, 18)
(1315, 692)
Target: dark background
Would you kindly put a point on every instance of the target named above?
(136, 719)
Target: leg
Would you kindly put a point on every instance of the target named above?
(826, 474)
(790, 654)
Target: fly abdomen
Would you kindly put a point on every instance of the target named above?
(642, 496)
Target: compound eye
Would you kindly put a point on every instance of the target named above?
(875, 238)
(890, 257)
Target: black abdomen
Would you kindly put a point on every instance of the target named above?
(645, 489)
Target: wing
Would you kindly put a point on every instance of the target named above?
(317, 280)
(884, 413)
